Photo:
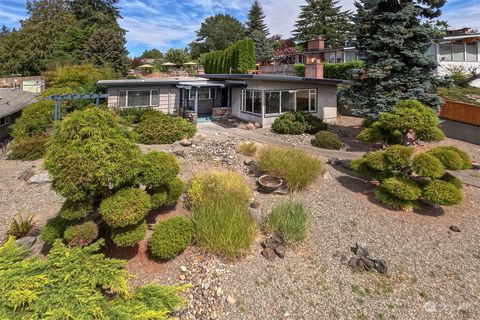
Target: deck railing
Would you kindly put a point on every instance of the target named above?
(462, 112)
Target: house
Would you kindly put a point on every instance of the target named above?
(12, 101)
(249, 97)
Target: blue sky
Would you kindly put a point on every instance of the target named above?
(172, 23)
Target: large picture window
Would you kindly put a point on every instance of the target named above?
(252, 101)
(203, 94)
(138, 98)
(277, 102)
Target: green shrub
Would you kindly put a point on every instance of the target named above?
(237, 58)
(21, 226)
(426, 165)
(171, 237)
(36, 118)
(372, 134)
(54, 229)
(290, 220)
(442, 193)
(175, 190)
(401, 188)
(133, 115)
(398, 157)
(30, 148)
(125, 208)
(297, 168)
(341, 70)
(247, 148)
(158, 169)
(299, 69)
(327, 140)
(452, 157)
(394, 202)
(160, 128)
(81, 234)
(76, 283)
(75, 210)
(224, 226)
(298, 123)
(447, 177)
(129, 236)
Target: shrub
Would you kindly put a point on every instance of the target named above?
(442, 193)
(91, 286)
(158, 169)
(452, 157)
(54, 229)
(129, 236)
(21, 226)
(224, 226)
(298, 123)
(299, 69)
(81, 234)
(341, 70)
(394, 202)
(76, 210)
(247, 148)
(175, 190)
(401, 188)
(398, 157)
(290, 220)
(30, 148)
(125, 208)
(133, 115)
(297, 168)
(327, 140)
(447, 177)
(36, 118)
(171, 237)
(426, 165)
(160, 128)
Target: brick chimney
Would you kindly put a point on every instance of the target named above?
(314, 70)
(314, 59)
(316, 44)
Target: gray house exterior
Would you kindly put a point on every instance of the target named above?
(12, 101)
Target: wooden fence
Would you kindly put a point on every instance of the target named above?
(462, 112)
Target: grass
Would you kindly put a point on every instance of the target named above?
(460, 94)
(297, 168)
(248, 149)
(290, 220)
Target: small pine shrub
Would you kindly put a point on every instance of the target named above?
(450, 178)
(290, 220)
(171, 237)
(134, 115)
(54, 229)
(297, 168)
(426, 165)
(442, 193)
(158, 169)
(158, 199)
(125, 208)
(81, 234)
(398, 156)
(327, 140)
(75, 210)
(452, 157)
(175, 190)
(298, 123)
(29, 148)
(129, 236)
(394, 202)
(248, 149)
(401, 188)
(160, 128)
(21, 226)
(372, 134)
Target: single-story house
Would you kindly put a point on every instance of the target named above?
(249, 97)
(12, 101)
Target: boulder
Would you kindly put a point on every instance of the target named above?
(26, 242)
(186, 142)
(280, 251)
(269, 254)
(40, 178)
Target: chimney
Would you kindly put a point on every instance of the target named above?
(314, 70)
(316, 44)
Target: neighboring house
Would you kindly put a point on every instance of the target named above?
(254, 98)
(12, 101)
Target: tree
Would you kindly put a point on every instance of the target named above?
(393, 40)
(177, 56)
(263, 47)
(217, 33)
(152, 54)
(256, 20)
(323, 18)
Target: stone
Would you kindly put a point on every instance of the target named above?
(344, 260)
(231, 300)
(182, 277)
(327, 176)
(353, 263)
(455, 228)
(26, 173)
(26, 242)
(278, 239)
(41, 178)
(219, 292)
(269, 254)
(180, 153)
(367, 262)
(268, 243)
(257, 125)
(347, 164)
(255, 204)
(249, 162)
(375, 183)
(185, 142)
(475, 166)
(250, 126)
(381, 266)
(281, 191)
(334, 161)
(183, 269)
(360, 250)
(280, 251)
(257, 214)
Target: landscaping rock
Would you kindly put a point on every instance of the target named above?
(475, 166)
(257, 215)
(347, 164)
(250, 126)
(185, 142)
(26, 242)
(269, 254)
(280, 251)
(381, 266)
(353, 263)
(368, 263)
(183, 269)
(26, 173)
(455, 228)
(362, 260)
(249, 162)
(360, 250)
(180, 153)
(231, 300)
(334, 161)
(255, 204)
(41, 178)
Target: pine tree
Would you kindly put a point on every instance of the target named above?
(393, 40)
(323, 18)
(256, 20)
(263, 46)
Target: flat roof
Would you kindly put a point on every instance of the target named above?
(13, 100)
(271, 77)
(147, 81)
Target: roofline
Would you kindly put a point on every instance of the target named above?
(476, 35)
(146, 81)
(279, 78)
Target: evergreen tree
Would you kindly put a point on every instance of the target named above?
(324, 18)
(256, 20)
(152, 54)
(393, 40)
(263, 46)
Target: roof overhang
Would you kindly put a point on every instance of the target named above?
(266, 77)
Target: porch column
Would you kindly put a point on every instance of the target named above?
(195, 108)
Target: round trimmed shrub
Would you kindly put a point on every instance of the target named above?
(160, 128)
(442, 193)
(125, 208)
(159, 199)
(376, 160)
(450, 178)
(426, 165)
(29, 148)
(158, 168)
(392, 201)
(175, 190)
(298, 123)
(171, 237)
(451, 158)
(75, 210)
(401, 188)
(81, 234)
(398, 156)
(54, 229)
(129, 236)
(327, 140)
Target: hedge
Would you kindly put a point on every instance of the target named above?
(237, 58)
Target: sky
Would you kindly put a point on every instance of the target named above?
(163, 24)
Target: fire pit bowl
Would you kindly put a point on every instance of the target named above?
(269, 182)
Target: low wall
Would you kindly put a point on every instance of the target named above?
(461, 112)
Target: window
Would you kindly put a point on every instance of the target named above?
(272, 102)
(290, 100)
(138, 98)
(471, 52)
(252, 101)
(203, 94)
(4, 121)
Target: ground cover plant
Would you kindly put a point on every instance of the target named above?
(327, 140)
(462, 94)
(290, 220)
(298, 123)
(171, 237)
(405, 179)
(248, 149)
(221, 220)
(297, 168)
(76, 283)
(21, 225)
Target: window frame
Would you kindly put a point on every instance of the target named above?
(210, 90)
(311, 93)
(150, 98)
(6, 120)
(251, 96)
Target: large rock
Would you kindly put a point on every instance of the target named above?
(269, 254)
(40, 178)
(26, 242)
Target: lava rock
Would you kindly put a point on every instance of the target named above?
(334, 161)
(269, 254)
(367, 262)
(455, 228)
(353, 263)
